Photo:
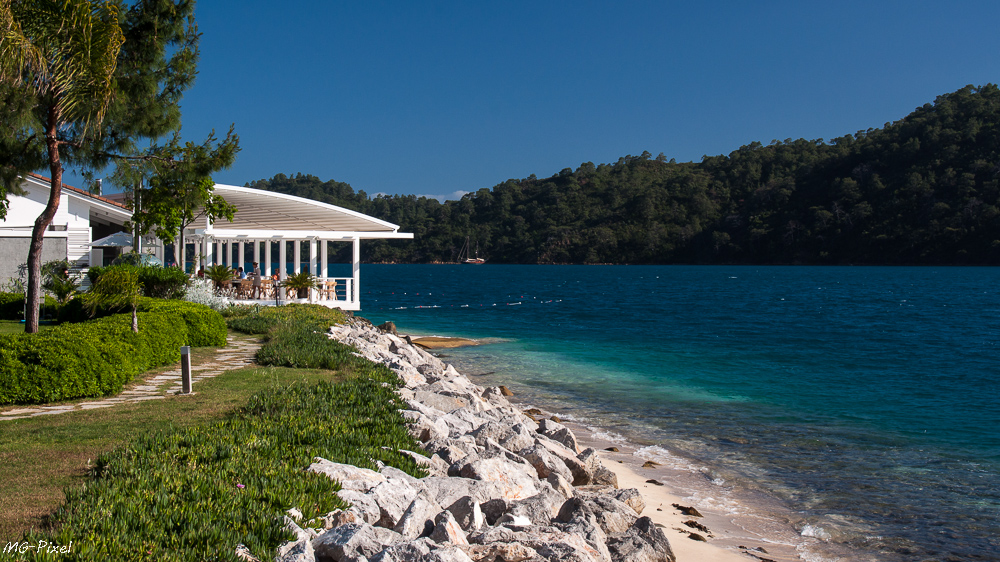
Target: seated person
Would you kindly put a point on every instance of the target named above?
(236, 278)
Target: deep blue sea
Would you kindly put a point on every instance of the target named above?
(865, 399)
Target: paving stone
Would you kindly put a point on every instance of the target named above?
(20, 411)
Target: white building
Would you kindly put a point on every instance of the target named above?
(274, 229)
(281, 232)
(81, 218)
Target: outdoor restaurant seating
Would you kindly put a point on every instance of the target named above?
(270, 289)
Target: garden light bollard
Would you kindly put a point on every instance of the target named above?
(185, 369)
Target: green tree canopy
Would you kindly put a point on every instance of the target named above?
(94, 83)
(921, 190)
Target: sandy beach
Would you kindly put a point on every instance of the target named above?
(731, 534)
(439, 342)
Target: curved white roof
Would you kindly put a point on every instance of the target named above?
(259, 210)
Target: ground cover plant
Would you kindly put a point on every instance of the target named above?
(195, 493)
(295, 336)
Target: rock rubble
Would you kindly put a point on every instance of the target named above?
(501, 487)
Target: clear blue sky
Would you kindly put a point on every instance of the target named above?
(441, 98)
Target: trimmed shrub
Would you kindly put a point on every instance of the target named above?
(204, 325)
(11, 306)
(95, 358)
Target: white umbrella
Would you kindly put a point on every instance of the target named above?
(121, 240)
(118, 240)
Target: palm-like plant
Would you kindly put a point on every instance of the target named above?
(301, 282)
(60, 57)
(57, 280)
(219, 273)
(117, 288)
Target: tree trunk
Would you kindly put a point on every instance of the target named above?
(135, 321)
(42, 223)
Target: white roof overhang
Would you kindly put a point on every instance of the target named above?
(266, 214)
(226, 233)
(98, 205)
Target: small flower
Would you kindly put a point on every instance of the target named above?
(240, 486)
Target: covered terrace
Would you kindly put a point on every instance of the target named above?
(287, 234)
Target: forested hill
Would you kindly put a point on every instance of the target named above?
(922, 190)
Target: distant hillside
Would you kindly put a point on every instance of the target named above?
(922, 190)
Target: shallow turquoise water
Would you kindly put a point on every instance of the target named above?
(867, 394)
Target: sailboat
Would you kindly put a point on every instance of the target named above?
(465, 252)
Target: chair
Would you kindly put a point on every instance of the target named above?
(331, 290)
(243, 291)
(266, 290)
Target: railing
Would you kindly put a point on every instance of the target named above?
(331, 290)
(339, 289)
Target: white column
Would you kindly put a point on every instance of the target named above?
(313, 257)
(180, 250)
(282, 255)
(297, 253)
(206, 245)
(209, 255)
(242, 246)
(323, 261)
(356, 268)
(313, 265)
(266, 262)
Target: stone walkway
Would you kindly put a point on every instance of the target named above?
(237, 353)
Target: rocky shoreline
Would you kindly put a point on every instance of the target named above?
(503, 486)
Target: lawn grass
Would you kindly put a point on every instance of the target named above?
(17, 327)
(41, 456)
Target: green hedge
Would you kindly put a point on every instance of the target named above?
(11, 306)
(204, 318)
(204, 325)
(96, 358)
(196, 493)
